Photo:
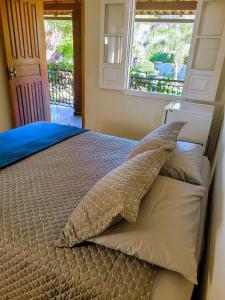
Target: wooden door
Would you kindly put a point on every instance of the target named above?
(24, 41)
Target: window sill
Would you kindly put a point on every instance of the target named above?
(154, 96)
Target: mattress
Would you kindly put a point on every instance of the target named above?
(37, 196)
(171, 285)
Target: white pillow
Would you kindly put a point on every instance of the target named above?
(185, 163)
(166, 230)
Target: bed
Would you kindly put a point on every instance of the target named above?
(38, 194)
(170, 285)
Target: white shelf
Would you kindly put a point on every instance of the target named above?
(197, 116)
(194, 108)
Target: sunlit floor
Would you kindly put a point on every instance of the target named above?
(64, 115)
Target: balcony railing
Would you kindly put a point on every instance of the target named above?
(61, 87)
(156, 85)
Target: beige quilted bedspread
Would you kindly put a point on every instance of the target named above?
(37, 196)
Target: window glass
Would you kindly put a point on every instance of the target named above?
(160, 51)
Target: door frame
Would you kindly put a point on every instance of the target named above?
(75, 6)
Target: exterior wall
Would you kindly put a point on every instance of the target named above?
(5, 111)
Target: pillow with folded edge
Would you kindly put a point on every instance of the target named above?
(163, 137)
(165, 233)
(185, 163)
(115, 197)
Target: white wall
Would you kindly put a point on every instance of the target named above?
(214, 267)
(110, 111)
(214, 271)
(221, 89)
(118, 114)
(5, 111)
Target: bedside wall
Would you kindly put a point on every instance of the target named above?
(213, 286)
(214, 269)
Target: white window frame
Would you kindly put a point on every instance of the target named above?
(201, 80)
(127, 90)
(193, 89)
(115, 72)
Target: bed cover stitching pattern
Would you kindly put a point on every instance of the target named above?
(37, 196)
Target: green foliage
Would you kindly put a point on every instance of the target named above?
(61, 39)
(162, 57)
(61, 84)
(140, 72)
(143, 83)
(186, 60)
(52, 66)
(60, 66)
(146, 66)
(163, 42)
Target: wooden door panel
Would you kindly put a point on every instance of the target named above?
(23, 31)
(23, 28)
(28, 70)
(30, 102)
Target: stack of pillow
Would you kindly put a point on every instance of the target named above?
(141, 213)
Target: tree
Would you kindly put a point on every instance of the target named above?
(59, 39)
(140, 50)
(175, 39)
(151, 39)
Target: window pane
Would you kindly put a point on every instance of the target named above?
(160, 51)
(113, 50)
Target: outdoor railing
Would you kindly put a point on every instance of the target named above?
(157, 85)
(61, 87)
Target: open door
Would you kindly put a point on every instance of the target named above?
(23, 35)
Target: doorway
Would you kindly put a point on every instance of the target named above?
(64, 60)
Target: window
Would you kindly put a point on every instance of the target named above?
(160, 49)
(176, 48)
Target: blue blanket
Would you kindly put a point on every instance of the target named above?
(24, 141)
